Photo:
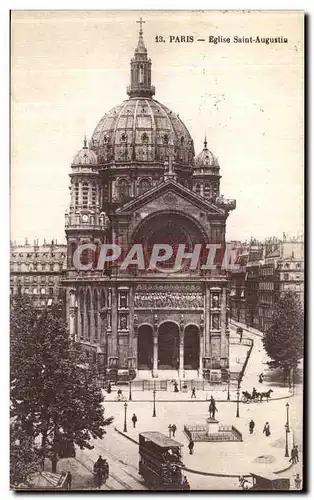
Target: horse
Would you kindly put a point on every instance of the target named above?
(265, 395)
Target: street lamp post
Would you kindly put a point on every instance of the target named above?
(130, 390)
(154, 395)
(228, 394)
(238, 399)
(287, 431)
(125, 429)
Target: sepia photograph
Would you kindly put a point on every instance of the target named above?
(156, 250)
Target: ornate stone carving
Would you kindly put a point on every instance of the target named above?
(172, 300)
(170, 199)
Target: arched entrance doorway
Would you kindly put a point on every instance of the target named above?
(191, 347)
(145, 348)
(168, 346)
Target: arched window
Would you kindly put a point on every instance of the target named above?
(123, 189)
(144, 185)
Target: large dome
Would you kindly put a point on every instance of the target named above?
(142, 130)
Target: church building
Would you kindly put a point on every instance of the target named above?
(138, 181)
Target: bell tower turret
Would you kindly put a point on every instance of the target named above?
(141, 70)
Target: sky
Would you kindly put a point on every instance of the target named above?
(69, 68)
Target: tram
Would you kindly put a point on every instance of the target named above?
(160, 462)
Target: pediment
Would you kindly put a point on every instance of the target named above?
(170, 195)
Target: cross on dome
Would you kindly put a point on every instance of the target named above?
(141, 22)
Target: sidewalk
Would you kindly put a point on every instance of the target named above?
(250, 329)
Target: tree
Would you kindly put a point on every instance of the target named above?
(54, 394)
(24, 457)
(283, 341)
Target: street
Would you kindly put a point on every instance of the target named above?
(256, 453)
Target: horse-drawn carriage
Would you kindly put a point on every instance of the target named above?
(256, 397)
(267, 482)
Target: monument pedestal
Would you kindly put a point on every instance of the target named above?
(212, 426)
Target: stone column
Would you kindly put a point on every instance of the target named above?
(132, 348)
(72, 315)
(201, 340)
(224, 336)
(114, 322)
(155, 347)
(207, 327)
(135, 341)
(181, 348)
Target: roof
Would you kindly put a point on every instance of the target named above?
(269, 476)
(47, 479)
(161, 440)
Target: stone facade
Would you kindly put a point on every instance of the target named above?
(36, 270)
(138, 183)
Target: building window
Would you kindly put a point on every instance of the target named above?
(76, 193)
(123, 189)
(85, 194)
(50, 291)
(43, 291)
(165, 139)
(144, 138)
(198, 189)
(94, 194)
(123, 299)
(35, 291)
(123, 138)
(207, 190)
(286, 276)
(144, 185)
(109, 298)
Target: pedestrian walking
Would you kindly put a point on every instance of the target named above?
(191, 446)
(240, 332)
(212, 407)
(134, 420)
(296, 454)
(193, 395)
(266, 429)
(176, 387)
(119, 394)
(170, 429)
(261, 378)
(185, 484)
(174, 429)
(69, 481)
(292, 456)
(251, 426)
(109, 388)
(297, 481)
